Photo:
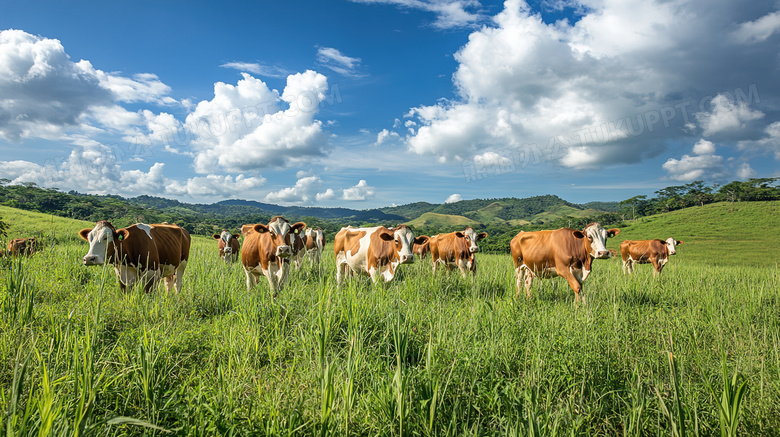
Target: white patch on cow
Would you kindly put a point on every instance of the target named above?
(145, 228)
(598, 240)
(472, 235)
(671, 246)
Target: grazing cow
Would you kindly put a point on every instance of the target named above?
(140, 253)
(315, 242)
(298, 248)
(267, 249)
(456, 249)
(647, 251)
(564, 252)
(228, 246)
(422, 249)
(22, 246)
(376, 251)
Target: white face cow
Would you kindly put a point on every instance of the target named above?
(281, 233)
(671, 245)
(597, 236)
(99, 238)
(404, 241)
(474, 237)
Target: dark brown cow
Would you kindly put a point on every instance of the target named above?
(647, 251)
(376, 251)
(22, 246)
(564, 252)
(228, 246)
(456, 249)
(422, 249)
(267, 249)
(140, 253)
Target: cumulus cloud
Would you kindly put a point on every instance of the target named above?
(745, 171)
(769, 143)
(758, 30)
(386, 136)
(449, 13)
(340, 63)
(249, 126)
(305, 190)
(704, 164)
(618, 85)
(359, 192)
(453, 198)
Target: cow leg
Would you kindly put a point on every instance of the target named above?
(625, 264)
(251, 280)
(575, 285)
(149, 279)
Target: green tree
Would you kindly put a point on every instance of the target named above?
(633, 201)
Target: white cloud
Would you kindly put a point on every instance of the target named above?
(704, 165)
(726, 116)
(386, 136)
(449, 13)
(769, 143)
(340, 63)
(306, 189)
(453, 198)
(257, 68)
(758, 30)
(215, 187)
(329, 194)
(704, 147)
(359, 192)
(248, 126)
(745, 171)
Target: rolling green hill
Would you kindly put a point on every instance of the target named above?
(431, 219)
(713, 234)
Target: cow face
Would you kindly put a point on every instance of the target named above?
(224, 238)
(597, 236)
(404, 240)
(99, 238)
(473, 238)
(671, 245)
(281, 234)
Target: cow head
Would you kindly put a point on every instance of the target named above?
(404, 240)
(421, 245)
(224, 239)
(473, 238)
(597, 237)
(671, 245)
(281, 238)
(101, 238)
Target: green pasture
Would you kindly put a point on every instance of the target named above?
(694, 352)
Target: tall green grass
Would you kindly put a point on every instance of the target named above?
(426, 355)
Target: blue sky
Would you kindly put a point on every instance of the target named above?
(376, 102)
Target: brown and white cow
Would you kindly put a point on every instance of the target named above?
(315, 242)
(140, 252)
(298, 248)
(456, 249)
(422, 249)
(647, 251)
(376, 251)
(564, 252)
(22, 246)
(267, 251)
(228, 246)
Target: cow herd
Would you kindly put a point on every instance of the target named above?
(147, 253)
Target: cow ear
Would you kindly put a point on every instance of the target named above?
(612, 232)
(680, 242)
(482, 235)
(421, 239)
(260, 228)
(298, 227)
(577, 234)
(236, 236)
(84, 233)
(387, 236)
(216, 236)
(122, 234)
(459, 234)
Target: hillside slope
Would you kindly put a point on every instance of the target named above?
(714, 234)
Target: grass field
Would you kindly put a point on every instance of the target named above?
(423, 356)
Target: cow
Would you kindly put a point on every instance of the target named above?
(647, 251)
(228, 246)
(22, 246)
(423, 249)
(298, 248)
(267, 249)
(376, 251)
(564, 252)
(315, 242)
(140, 253)
(456, 249)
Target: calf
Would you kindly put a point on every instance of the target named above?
(228, 245)
(376, 251)
(564, 252)
(456, 249)
(140, 253)
(315, 242)
(422, 249)
(22, 246)
(647, 251)
(267, 249)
